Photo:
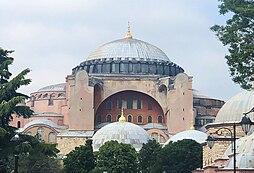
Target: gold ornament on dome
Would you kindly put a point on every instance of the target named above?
(122, 118)
(128, 35)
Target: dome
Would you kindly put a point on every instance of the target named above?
(128, 49)
(245, 153)
(234, 108)
(123, 132)
(56, 87)
(41, 122)
(195, 135)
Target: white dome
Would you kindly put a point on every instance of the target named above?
(195, 135)
(245, 153)
(233, 109)
(129, 49)
(123, 132)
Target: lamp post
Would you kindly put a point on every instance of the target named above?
(246, 126)
(16, 138)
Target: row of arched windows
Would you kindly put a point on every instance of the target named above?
(130, 118)
(41, 135)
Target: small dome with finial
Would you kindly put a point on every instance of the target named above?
(122, 132)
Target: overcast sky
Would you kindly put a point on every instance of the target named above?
(52, 36)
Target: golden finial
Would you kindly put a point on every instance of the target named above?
(192, 125)
(128, 35)
(122, 118)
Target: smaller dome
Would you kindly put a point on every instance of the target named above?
(234, 108)
(123, 132)
(43, 122)
(195, 135)
(245, 153)
(56, 87)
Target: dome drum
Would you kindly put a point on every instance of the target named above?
(134, 67)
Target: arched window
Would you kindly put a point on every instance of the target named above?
(109, 105)
(109, 118)
(159, 119)
(40, 133)
(161, 139)
(140, 119)
(150, 119)
(51, 99)
(18, 124)
(52, 137)
(129, 118)
(155, 136)
(29, 133)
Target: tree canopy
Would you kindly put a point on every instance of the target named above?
(80, 160)
(181, 156)
(116, 157)
(238, 35)
(147, 156)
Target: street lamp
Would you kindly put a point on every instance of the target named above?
(246, 126)
(16, 138)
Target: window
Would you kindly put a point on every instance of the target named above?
(159, 119)
(98, 119)
(129, 118)
(109, 118)
(119, 104)
(52, 137)
(149, 119)
(51, 101)
(109, 105)
(155, 136)
(129, 103)
(139, 104)
(18, 124)
(140, 119)
(40, 133)
(150, 106)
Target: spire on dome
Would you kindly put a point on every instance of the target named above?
(128, 35)
(122, 118)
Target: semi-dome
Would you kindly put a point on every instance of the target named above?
(245, 153)
(128, 49)
(195, 135)
(123, 132)
(234, 108)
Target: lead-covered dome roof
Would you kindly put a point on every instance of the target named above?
(233, 109)
(123, 132)
(128, 49)
(128, 56)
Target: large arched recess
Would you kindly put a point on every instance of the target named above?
(149, 107)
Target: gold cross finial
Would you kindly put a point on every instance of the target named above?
(128, 35)
(122, 118)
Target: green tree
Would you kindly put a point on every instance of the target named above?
(80, 160)
(238, 35)
(181, 156)
(147, 156)
(116, 157)
(10, 101)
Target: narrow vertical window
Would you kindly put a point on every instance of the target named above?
(119, 104)
(109, 118)
(18, 124)
(98, 119)
(40, 133)
(109, 105)
(139, 104)
(140, 119)
(129, 118)
(159, 119)
(150, 119)
(129, 103)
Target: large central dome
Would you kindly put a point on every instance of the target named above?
(128, 56)
(128, 49)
